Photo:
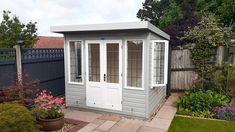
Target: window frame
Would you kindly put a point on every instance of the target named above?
(82, 62)
(153, 84)
(126, 64)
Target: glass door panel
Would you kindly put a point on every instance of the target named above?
(94, 62)
(112, 62)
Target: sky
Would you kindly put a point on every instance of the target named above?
(71, 12)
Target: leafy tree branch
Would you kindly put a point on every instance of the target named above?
(11, 30)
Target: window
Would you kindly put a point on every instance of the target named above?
(134, 63)
(159, 62)
(75, 61)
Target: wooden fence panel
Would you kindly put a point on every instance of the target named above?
(182, 69)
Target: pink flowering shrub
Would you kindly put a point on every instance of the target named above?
(195, 77)
(226, 112)
(47, 106)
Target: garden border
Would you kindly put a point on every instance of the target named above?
(213, 119)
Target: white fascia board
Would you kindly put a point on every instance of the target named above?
(100, 27)
(110, 26)
(158, 31)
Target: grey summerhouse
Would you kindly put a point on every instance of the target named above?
(117, 67)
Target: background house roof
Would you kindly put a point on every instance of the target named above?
(110, 26)
(49, 42)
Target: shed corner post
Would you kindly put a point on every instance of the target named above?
(168, 87)
(148, 73)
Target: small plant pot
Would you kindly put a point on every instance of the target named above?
(51, 124)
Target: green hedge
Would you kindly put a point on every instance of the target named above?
(16, 118)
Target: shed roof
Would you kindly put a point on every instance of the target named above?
(110, 27)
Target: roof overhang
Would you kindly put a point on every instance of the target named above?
(110, 27)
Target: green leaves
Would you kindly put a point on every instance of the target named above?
(153, 10)
(16, 118)
(200, 103)
(206, 37)
(11, 30)
(50, 114)
(171, 15)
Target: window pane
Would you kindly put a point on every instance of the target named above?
(113, 62)
(134, 63)
(94, 62)
(158, 62)
(75, 61)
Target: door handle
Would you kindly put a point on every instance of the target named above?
(104, 77)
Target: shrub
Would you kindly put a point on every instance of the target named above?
(200, 103)
(205, 38)
(16, 118)
(226, 112)
(233, 100)
(221, 80)
(20, 93)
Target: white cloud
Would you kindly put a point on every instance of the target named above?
(64, 12)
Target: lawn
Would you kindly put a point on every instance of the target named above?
(183, 124)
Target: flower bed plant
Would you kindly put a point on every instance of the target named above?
(200, 103)
(226, 112)
(48, 107)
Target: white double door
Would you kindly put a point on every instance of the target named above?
(104, 69)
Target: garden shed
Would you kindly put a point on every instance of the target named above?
(116, 67)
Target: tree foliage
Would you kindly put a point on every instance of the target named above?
(171, 15)
(188, 20)
(153, 10)
(11, 30)
(224, 10)
(177, 16)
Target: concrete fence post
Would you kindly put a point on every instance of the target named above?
(220, 55)
(18, 63)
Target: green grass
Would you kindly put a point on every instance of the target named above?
(183, 124)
